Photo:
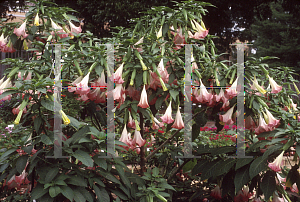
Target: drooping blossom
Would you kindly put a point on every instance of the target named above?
(118, 91)
(97, 96)
(21, 30)
(227, 117)
(37, 20)
(8, 48)
(162, 71)
(144, 100)
(65, 119)
(19, 182)
(179, 39)
(293, 106)
(201, 33)
(74, 83)
(75, 29)
(125, 138)
(159, 33)
(137, 139)
(216, 192)
(194, 64)
(243, 195)
(16, 110)
(3, 86)
(139, 48)
(232, 91)
(3, 41)
(249, 123)
(60, 32)
(275, 87)
(82, 86)
(204, 95)
(167, 117)
(118, 75)
(262, 127)
(131, 122)
(276, 164)
(178, 124)
(133, 93)
(257, 87)
(276, 198)
(272, 122)
(100, 83)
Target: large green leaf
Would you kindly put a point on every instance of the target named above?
(78, 197)
(84, 157)
(21, 163)
(38, 191)
(242, 161)
(198, 168)
(241, 178)
(48, 104)
(67, 192)
(100, 162)
(257, 166)
(54, 191)
(223, 150)
(209, 169)
(109, 176)
(268, 184)
(101, 194)
(76, 180)
(121, 172)
(224, 166)
(87, 195)
(51, 174)
(7, 153)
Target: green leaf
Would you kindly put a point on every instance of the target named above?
(76, 180)
(48, 104)
(7, 153)
(51, 174)
(3, 167)
(100, 162)
(268, 184)
(21, 163)
(242, 161)
(155, 172)
(67, 192)
(119, 194)
(241, 178)
(122, 175)
(298, 149)
(6, 93)
(101, 193)
(257, 166)
(38, 192)
(46, 140)
(271, 150)
(174, 94)
(189, 166)
(98, 181)
(37, 123)
(87, 195)
(198, 168)
(109, 176)
(54, 191)
(223, 150)
(78, 197)
(225, 166)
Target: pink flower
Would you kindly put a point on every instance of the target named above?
(178, 124)
(21, 30)
(201, 33)
(74, 83)
(275, 87)
(216, 192)
(144, 100)
(16, 111)
(231, 92)
(167, 117)
(257, 87)
(100, 82)
(3, 41)
(60, 32)
(275, 165)
(243, 195)
(118, 75)
(82, 86)
(220, 97)
(118, 91)
(133, 93)
(194, 64)
(137, 139)
(179, 39)
(262, 127)
(272, 122)
(226, 118)
(125, 138)
(8, 48)
(256, 199)
(97, 96)
(75, 29)
(162, 71)
(249, 123)
(131, 122)
(204, 96)
(276, 198)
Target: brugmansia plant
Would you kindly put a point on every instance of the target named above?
(149, 98)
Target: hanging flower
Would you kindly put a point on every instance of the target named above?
(8, 48)
(125, 138)
(21, 30)
(75, 29)
(275, 87)
(167, 117)
(272, 122)
(131, 122)
(118, 91)
(118, 75)
(100, 82)
(204, 96)
(276, 164)
(179, 39)
(82, 86)
(60, 32)
(243, 195)
(262, 127)
(3, 41)
(65, 119)
(144, 100)
(74, 83)
(257, 87)
(231, 92)
(201, 33)
(216, 192)
(159, 34)
(137, 139)
(37, 20)
(178, 124)
(162, 71)
(249, 123)
(226, 118)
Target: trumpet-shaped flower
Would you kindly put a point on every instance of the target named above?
(74, 83)
(272, 122)
(257, 87)
(131, 122)
(97, 96)
(118, 75)
(249, 123)
(243, 195)
(125, 138)
(118, 91)
(216, 192)
(293, 106)
(262, 127)
(226, 118)
(8, 48)
(4, 85)
(144, 100)
(3, 41)
(162, 71)
(231, 92)
(204, 96)
(167, 117)
(137, 139)
(65, 119)
(21, 30)
(60, 32)
(82, 86)
(178, 124)
(37, 20)
(75, 29)
(276, 164)
(179, 39)
(201, 33)
(275, 87)
(159, 33)
(100, 82)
